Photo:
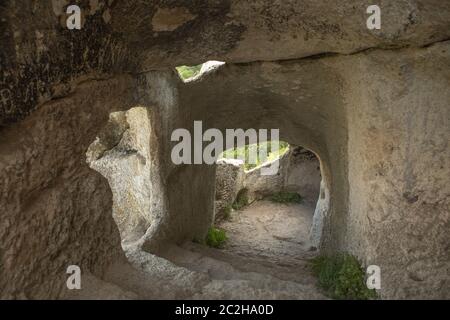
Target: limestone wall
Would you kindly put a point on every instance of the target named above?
(56, 211)
(399, 162)
(129, 36)
(228, 183)
(131, 171)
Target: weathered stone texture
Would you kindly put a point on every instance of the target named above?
(44, 58)
(377, 119)
(228, 182)
(399, 164)
(129, 168)
(55, 210)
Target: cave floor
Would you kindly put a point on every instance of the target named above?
(266, 257)
(277, 233)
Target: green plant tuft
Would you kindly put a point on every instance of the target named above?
(241, 199)
(216, 238)
(342, 277)
(286, 197)
(187, 72)
(244, 153)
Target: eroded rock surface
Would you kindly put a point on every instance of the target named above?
(229, 176)
(127, 163)
(56, 211)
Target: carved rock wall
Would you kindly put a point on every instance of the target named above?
(377, 119)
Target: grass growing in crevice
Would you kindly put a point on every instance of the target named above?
(216, 238)
(241, 199)
(244, 153)
(187, 72)
(342, 277)
(286, 197)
